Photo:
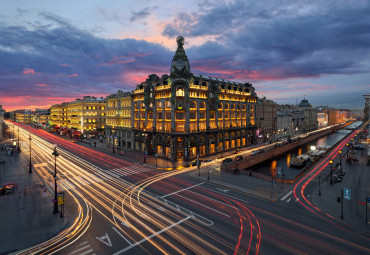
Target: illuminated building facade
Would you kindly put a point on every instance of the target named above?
(182, 115)
(2, 112)
(119, 120)
(23, 116)
(266, 120)
(86, 115)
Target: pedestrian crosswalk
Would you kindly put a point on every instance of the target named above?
(129, 170)
(287, 196)
(74, 181)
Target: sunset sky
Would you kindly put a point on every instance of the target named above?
(57, 51)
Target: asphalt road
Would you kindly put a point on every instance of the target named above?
(123, 207)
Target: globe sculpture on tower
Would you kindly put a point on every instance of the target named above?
(180, 63)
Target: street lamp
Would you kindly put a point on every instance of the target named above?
(347, 150)
(55, 154)
(331, 172)
(340, 158)
(30, 167)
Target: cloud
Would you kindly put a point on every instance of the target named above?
(279, 40)
(142, 14)
(47, 49)
(27, 70)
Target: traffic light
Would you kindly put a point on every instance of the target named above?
(338, 199)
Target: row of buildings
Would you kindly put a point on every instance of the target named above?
(182, 115)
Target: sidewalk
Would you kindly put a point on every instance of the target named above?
(358, 181)
(239, 182)
(26, 217)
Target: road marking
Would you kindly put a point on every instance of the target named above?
(223, 190)
(182, 190)
(287, 195)
(83, 248)
(82, 243)
(217, 201)
(71, 186)
(297, 199)
(204, 205)
(86, 252)
(226, 195)
(288, 200)
(107, 241)
(122, 236)
(151, 236)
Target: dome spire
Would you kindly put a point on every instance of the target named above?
(180, 63)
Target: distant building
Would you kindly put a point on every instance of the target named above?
(266, 119)
(284, 124)
(86, 115)
(322, 118)
(41, 117)
(119, 120)
(367, 107)
(2, 112)
(310, 122)
(23, 116)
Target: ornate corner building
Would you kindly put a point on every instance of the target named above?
(184, 115)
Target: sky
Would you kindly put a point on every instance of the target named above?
(56, 51)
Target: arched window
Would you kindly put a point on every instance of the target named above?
(168, 104)
(220, 106)
(202, 105)
(142, 106)
(180, 92)
(238, 107)
(159, 105)
(137, 106)
(193, 104)
(233, 106)
(243, 107)
(227, 106)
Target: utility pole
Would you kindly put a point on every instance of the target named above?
(340, 159)
(30, 165)
(341, 215)
(331, 172)
(55, 154)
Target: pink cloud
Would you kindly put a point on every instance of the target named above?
(65, 65)
(41, 85)
(68, 75)
(27, 70)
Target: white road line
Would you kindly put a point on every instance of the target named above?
(204, 205)
(113, 174)
(82, 243)
(182, 190)
(288, 200)
(86, 252)
(71, 186)
(287, 195)
(83, 248)
(297, 199)
(151, 236)
(122, 235)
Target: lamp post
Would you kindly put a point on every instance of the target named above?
(30, 167)
(331, 172)
(55, 154)
(340, 159)
(347, 150)
(156, 160)
(198, 164)
(319, 185)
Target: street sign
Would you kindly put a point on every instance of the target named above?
(61, 198)
(347, 193)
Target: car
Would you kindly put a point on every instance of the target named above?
(239, 157)
(227, 160)
(254, 152)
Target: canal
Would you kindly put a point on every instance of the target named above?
(283, 161)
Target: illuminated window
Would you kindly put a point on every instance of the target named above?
(193, 104)
(193, 115)
(168, 104)
(220, 106)
(159, 105)
(180, 92)
(202, 105)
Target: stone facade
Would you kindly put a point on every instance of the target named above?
(184, 115)
(2, 112)
(86, 115)
(119, 120)
(266, 120)
(310, 122)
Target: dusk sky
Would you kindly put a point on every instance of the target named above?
(56, 51)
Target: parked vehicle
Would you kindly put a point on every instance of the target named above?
(254, 152)
(239, 157)
(227, 160)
